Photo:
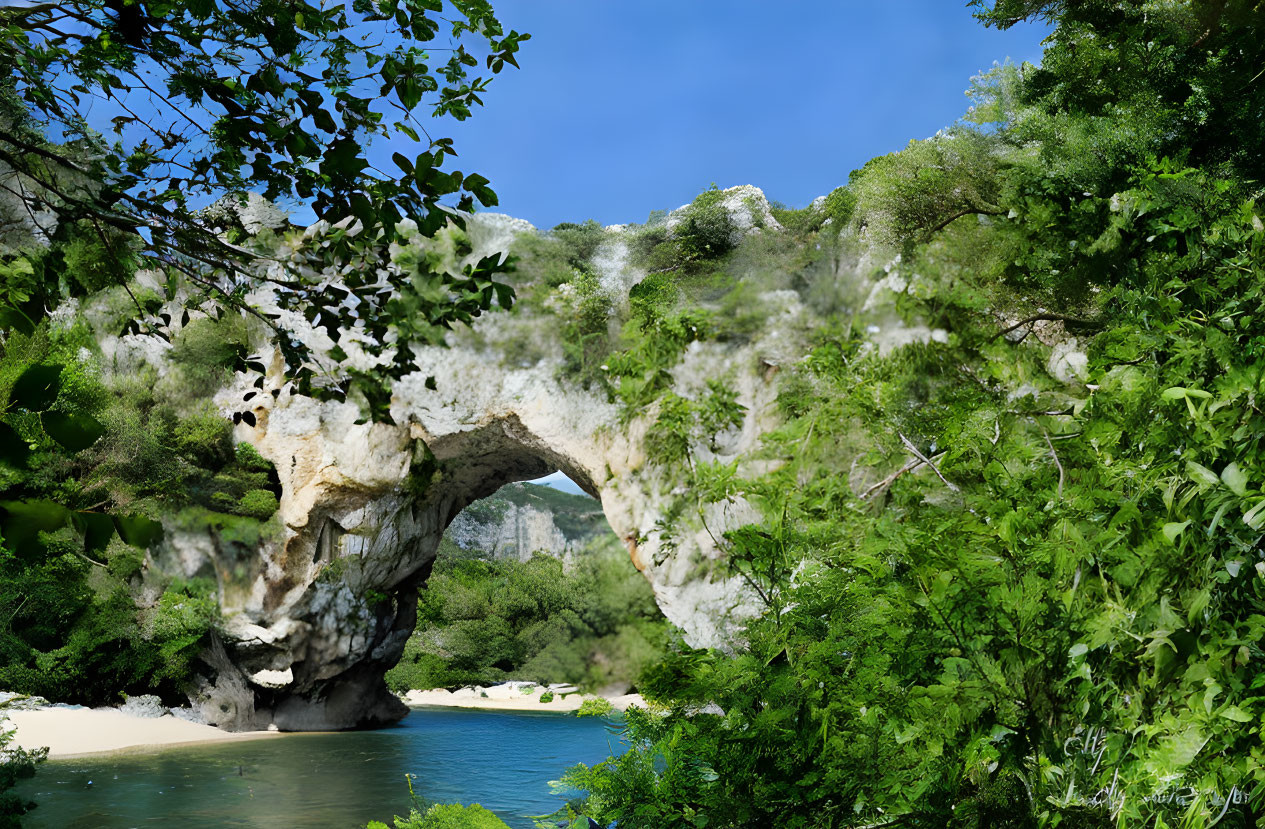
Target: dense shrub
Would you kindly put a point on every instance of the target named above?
(206, 350)
(482, 622)
(97, 462)
(446, 816)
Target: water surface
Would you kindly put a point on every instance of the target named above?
(501, 759)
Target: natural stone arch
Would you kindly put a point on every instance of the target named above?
(330, 598)
(318, 610)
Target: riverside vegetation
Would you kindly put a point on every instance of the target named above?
(993, 596)
(1047, 609)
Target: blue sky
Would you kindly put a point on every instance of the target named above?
(624, 107)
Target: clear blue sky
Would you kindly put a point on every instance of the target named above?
(624, 107)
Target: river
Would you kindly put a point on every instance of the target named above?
(501, 759)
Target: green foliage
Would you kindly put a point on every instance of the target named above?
(15, 764)
(270, 100)
(595, 707)
(585, 330)
(97, 256)
(257, 503)
(580, 240)
(704, 231)
(482, 622)
(77, 636)
(546, 696)
(641, 372)
(88, 468)
(682, 424)
(993, 598)
(904, 197)
(205, 438)
(446, 816)
(207, 351)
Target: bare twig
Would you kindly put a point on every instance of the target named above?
(891, 479)
(913, 449)
(1050, 318)
(970, 211)
(1054, 455)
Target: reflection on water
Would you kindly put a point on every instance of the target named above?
(503, 760)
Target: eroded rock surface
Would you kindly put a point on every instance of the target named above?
(523, 519)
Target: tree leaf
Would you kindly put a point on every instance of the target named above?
(1174, 529)
(138, 530)
(1235, 479)
(1202, 474)
(75, 432)
(97, 529)
(23, 521)
(1254, 517)
(13, 449)
(36, 388)
(15, 319)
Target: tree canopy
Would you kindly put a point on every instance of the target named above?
(132, 132)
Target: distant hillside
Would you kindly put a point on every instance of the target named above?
(521, 519)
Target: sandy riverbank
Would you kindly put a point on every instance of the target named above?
(516, 696)
(72, 732)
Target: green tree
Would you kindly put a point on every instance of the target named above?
(1035, 609)
(212, 100)
(15, 764)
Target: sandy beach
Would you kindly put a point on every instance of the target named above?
(75, 732)
(72, 732)
(516, 696)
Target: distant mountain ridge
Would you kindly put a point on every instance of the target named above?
(522, 518)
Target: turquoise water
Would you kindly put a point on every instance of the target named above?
(503, 760)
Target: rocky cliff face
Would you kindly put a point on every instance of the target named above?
(523, 519)
(323, 604)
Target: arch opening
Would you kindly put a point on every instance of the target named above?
(335, 605)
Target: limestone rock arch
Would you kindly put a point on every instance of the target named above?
(322, 606)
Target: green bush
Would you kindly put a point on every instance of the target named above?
(706, 231)
(125, 562)
(595, 707)
(586, 331)
(446, 816)
(248, 457)
(15, 764)
(205, 352)
(96, 256)
(205, 438)
(546, 696)
(581, 241)
(257, 503)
